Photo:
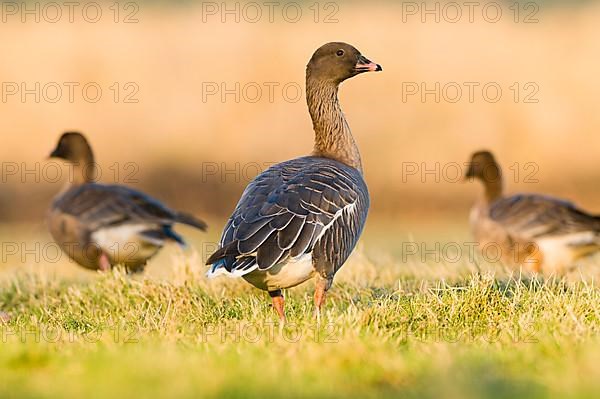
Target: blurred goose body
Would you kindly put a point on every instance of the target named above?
(540, 233)
(302, 218)
(99, 225)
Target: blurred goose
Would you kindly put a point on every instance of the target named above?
(540, 233)
(302, 218)
(99, 225)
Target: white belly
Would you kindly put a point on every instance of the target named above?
(283, 275)
(559, 253)
(123, 244)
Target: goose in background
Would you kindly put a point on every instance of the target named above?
(539, 233)
(302, 218)
(98, 225)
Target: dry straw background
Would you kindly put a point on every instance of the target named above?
(172, 135)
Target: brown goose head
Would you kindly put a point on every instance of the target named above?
(73, 147)
(336, 61)
(483, 166)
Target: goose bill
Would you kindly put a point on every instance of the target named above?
(365, 65)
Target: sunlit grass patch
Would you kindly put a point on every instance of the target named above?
(385, 331)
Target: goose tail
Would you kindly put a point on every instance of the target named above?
(216, 270)
(187, 219)
(158, 237)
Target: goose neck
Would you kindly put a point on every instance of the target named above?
(493, 189)
(83, 170)
(333, 138)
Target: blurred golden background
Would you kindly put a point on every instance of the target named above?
(177, 141)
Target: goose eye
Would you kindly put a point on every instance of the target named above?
(340, 53)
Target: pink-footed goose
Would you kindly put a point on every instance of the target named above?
(302, 218)
(536, 232)
(98, 225)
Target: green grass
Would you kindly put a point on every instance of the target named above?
(389, 330)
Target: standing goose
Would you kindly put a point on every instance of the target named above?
(541, 233)
(99, 225)
(302, 218)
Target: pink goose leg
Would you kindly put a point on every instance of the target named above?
(104, 263)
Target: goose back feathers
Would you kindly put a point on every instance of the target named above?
(537, 216)
(308, 205)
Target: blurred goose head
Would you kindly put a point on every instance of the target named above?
(335, 62)
(73, 147)
(483, 166)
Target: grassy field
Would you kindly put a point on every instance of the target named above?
(390, 327)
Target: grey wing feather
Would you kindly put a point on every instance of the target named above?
(97, 206)
(287, 209)
(536, 216)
